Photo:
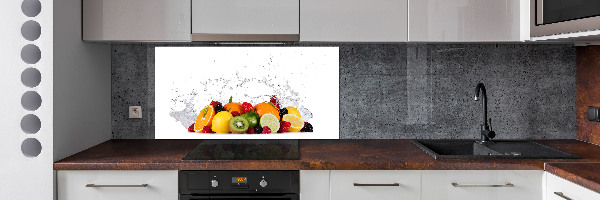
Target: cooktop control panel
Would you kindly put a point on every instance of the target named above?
(214, 182)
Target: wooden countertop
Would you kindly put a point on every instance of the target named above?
(581, 173)
(314, 155)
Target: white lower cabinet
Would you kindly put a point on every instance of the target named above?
(482, 184)
(375, 185)
(561, 189)
(314, 184)
(117, 185)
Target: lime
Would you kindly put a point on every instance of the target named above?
(270, 121)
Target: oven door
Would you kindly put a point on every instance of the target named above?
(236, 197)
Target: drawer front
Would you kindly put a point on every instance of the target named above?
(566, 189)
(482, 184)
(408, 184)
(161, 185)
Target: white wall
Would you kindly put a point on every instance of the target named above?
(82, 84)
(23, 177)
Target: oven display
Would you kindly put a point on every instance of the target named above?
(239, 180)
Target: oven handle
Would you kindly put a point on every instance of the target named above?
(376, 184)
(98, 186)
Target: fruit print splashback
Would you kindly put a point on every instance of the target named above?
(247, 93)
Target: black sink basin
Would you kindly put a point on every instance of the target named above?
(492, 149)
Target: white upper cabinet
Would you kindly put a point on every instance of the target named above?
(468, 20)
(354, 20)
(136, 20)
(243, 20)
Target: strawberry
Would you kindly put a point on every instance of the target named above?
(235, 113)
(266, 130)
(247, 107)
(251, 130)
(275, 102)
(285, 126)
(214, 103)
(206, 129)
(191, 128)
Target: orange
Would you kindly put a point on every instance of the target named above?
(233, 107)
(264, 108)
(204, 118)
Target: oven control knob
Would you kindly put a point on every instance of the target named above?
(214, 183)
(263, 183)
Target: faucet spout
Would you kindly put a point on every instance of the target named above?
(486, 132)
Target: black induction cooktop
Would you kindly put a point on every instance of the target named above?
(245, 150)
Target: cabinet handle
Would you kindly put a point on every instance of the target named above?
(361, 184)
(94, 185)
(560, 194)
(505, 185)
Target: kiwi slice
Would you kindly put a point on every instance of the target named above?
(238, 124)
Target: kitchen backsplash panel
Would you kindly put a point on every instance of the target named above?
(395, 91)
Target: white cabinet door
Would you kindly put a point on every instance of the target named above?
(245, 17)
(371, 185)
(117, 185)
(561, 189)
(314, 184)
(468, 20)
(482, 184)
(354, 20)
(136, 20)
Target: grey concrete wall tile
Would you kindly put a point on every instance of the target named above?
(408, 90)
(373, 59)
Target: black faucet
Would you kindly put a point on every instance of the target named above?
(486, 129)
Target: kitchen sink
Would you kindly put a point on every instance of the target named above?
(441, 149)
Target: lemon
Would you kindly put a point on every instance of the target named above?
(220, 122)
(293, 111)
(297, 123)
(270, 121)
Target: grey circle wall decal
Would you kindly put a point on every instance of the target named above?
(31, 100)
(31, 54)
(31, 77)
(31, 124)
(31, 8)
(31, 147)
(31, 30)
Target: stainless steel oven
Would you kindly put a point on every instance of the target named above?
(235, 185)
(554, 17)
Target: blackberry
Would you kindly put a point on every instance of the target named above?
(282, 112)
(219, 108)
(307, 127)
(258, 130)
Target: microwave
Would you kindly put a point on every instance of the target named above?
(555, 19)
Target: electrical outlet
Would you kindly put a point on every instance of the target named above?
(135, 112)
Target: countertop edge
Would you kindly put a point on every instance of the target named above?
(581, 180)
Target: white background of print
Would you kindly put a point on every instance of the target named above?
(311, 72)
